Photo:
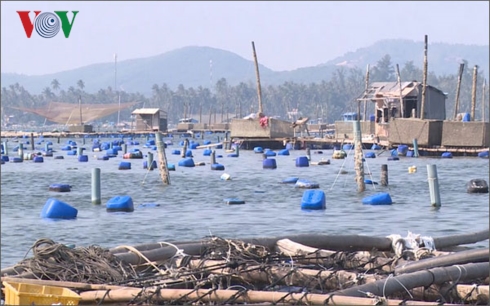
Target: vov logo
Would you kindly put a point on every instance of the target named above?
(47, 24)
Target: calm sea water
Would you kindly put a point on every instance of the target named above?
(192, 207)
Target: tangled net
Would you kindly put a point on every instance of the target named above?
(93, 264)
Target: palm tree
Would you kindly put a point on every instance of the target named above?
(81, 84)
(55, 84)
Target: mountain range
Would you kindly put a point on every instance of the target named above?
(190, 66)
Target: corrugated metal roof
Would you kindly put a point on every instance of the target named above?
(145, 111)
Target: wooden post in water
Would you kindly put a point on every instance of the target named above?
(473, 92)
(482, 101)
(213, 158)
(149, 161)
(402, 105)
(458, 89)
(162, 159)
(308, 153)
(366, 88)
(6, 150)
(96, 198)
(435, 197)
(21, 151)
(358, 163)
(415, 148)
(384, 175)
(259, 90)
(184, 149)
(424, 80)
(32, 141)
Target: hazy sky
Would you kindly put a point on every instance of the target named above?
(287, 35)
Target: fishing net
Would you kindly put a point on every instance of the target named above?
(70, 113)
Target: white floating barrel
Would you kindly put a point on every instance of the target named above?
(55, 209)
(382, 198)
(313, 200)
(302, 161)
(269, 163)
(120, 203)
(307, 184)
(225, 177)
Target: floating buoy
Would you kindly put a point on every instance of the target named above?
(302, 183)
(170, 167)
(59, 187)
(393, 158)
(17, 160)
(283, 152)
(402, 150)
(232, 155)
(55, 209)
(370, 155)
(188, 153)
(347, 147)
(83, 158)
(375, 147)
(447, 155)
(217, 167)
(72, 152)
(302, 161)
(66, 148)
(187, 162)
(483, 154)
(270, 153)
(206, 142)
(225, 177)
(269, 163)
(193, 146)
(412, 169)
(38, 159)
(124, 166)
(378, 199)
(153, 165)
(477, 186)
(59, 157)
(259, 150)
(5, 158)
(120, 203)
(313, 200)
(234, 201)
(207, 152)
(103, 157)
(290, 180)
(176, 152)
(366, 181)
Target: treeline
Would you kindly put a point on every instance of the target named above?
(326, 99)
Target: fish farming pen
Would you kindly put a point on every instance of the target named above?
(295, 270)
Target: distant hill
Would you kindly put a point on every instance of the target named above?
(190, 66)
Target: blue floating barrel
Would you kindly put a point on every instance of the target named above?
(136, 143)
(269, 163)
(59, 157)
(38, 159)
(83, 158)
(104, 157)
(483, 154)
(17, 160)
(217, 167)
(302, 183)
(124, 165)
(375, 147)
(55, 209)
(181, 143)
(170, 167)
(259, 150)
(111, 152)
(347, 147)
(105, 146)
(120, 203)
(206, 142)
(150, 142)
(402, 150)
(270, 153)
(366, 181)
(290, 180)
(393, 158)
(378, 199)
(232, 155)
(49, 143)
(283, 152)
(66, 148)
(466, 117)
(313, 200)
(410, 153)
(135, 150)
(220, 146)
(59, 187)
(302, 161)
(153, 165)
(194, 146)
(176, 152)
(5, 158)
(188, 153)
(186, 162)
(72, 152)
(117, 148)
(207, 152)
(447, 155)
(234, 201)
(370, 155)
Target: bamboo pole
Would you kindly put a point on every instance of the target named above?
(259, 90)
(473, 92)
(424, 80)
(366, 88)
(483, 100)
(250, 296)
(458, 89)
(402, 105)
(359, 165)
(162, 159)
